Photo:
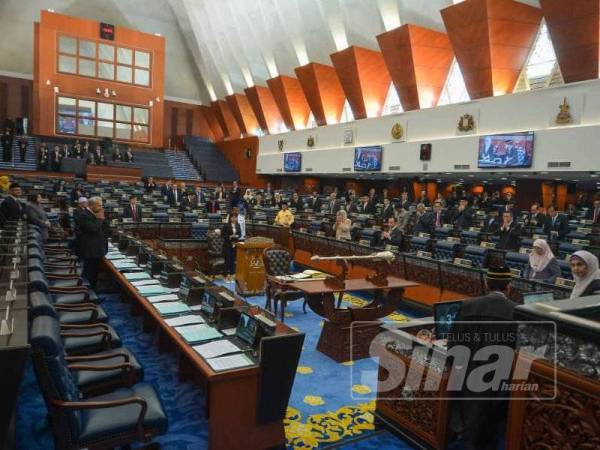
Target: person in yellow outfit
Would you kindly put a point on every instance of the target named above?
(285, 217)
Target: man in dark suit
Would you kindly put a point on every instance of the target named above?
(93, 230)
(133, 211)
(174, 197)
(492, 223)
(509, 233)
(11, 208)
(333, 203)
(314, 202)
(188, 202)
(393, 234)
(557, 226)
(593, 213)
(536, 217)
(464, 215)
(438, 215)
(423, 222)
(231, 234)
(404, 201)
(367, 206)
(82, 204)
(296, 203)
(482, 324)
(55, 159)
(166, 189)
(117, 156)
(388, 209)
(212, 206)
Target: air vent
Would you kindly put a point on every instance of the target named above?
(555, 164)
(394, 168)
(346, 169)
(308, 169)
(462, 166)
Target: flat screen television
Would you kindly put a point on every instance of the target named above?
(292, 162)
(500, 151)
(368, 159)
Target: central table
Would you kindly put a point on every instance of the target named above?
(348, 332)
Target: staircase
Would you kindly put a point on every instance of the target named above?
(182, 167)
(210, 162)
(15, 162)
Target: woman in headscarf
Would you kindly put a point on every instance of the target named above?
(543, 265)
(586, 273)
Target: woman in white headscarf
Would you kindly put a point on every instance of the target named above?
(543, 265)
(586, 273)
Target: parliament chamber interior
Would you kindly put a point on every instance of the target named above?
(300, 224)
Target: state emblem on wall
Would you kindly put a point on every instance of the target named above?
(280, 144)
(466, 122)
(310, 142)
(397, 131)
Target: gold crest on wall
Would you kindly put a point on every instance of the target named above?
(397, 131)
(466, 122)
(280, 144)
(564, 115)
(310, 142)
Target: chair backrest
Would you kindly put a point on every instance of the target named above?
(470, 237)
(445, 250)
(515, 260)
(215, 243)
(420, 243)
(565, 269)
(38, 281)
(476, 254)
(54, 378)
(277, 260)
(199, 231)
(566, 249)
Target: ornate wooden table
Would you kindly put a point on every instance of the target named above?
(348, 332)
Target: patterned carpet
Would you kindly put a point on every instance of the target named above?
(331, 403)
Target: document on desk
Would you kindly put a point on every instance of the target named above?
(124, 265)
(170, 308)
(230, 362)
(147, 291)
(162, 298)
(115, 256)
(134, 276)
(198, 333)
(145, 283)
(217, 348)
(184, 320)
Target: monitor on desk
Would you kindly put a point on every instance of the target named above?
(537, 297)
(208, 305)
(445, 314)
(246, 328)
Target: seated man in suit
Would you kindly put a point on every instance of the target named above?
(464, 215)
(509, 233)
(11, 208)
(593, 213)
(133, 211)
(388, 209)
(117, 156)
(128, 156)
(557, 225)
(150, 184)
(423, 222)
(392, 235)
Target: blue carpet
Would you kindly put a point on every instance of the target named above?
(331, 404)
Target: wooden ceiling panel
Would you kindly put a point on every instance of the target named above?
(323, 92)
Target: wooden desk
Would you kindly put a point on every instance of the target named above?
(250, 269)
(233, 400)
(112, 173)
(347, 333)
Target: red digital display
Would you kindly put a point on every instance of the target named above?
(107, 31)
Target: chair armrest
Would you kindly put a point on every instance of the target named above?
(71, 290)
(110, 404)
(75, 308)
(63, 277)
(85, 327)
(126, 366)
(97, 357)
(105, 335)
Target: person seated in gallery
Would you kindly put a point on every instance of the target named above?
(66, 151)
(285, 217)
(128, 157)
(77, 150)
(55, 159)
(117, 156)
(43, 157)
(543, 265)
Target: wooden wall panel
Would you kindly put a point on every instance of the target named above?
(15, 98)
(491, 40)
(200, 126)
(365, 80)
(213, 123)
(323, 91)
(291, 101)
(418, 60)
(235, 152)
(265, 108)
(45, 68)
(180, 129)
(242, 111)
(574, 27)
(226, 119)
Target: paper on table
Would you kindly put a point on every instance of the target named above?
(153, 290)
(198, 333)
(230, 362)
(184, 320)
(166, 309)
(163, 298)
(145, 283)
(216, 348)
(228, 331)
(137, 276)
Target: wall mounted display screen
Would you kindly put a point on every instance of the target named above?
(368, 159)
(506, 150)
(292, 162)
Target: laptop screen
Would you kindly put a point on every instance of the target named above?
(537, 297)
(246, 329)
(208, 304)
(444, 314)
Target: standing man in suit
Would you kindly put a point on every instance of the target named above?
(393, 234)
(128, 156)
(11, 208)
(212, 206)
(557, 226)
(404, 201)
(296, 203)
(314, 202)
(423, 222)
(483, 323)
(82, 204)
(55, 159)
(464, 215)
(175, 195)
(367, 206)
(165, 190)
(93, 229)
(593, 213)
(334, 203)
(388, 210)
(509, 233)
(133, 211)
(438, 215)
(188, 202)
(536, 217)
(231, 234)
(491, 223)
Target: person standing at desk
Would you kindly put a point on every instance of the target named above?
(36, 214)
(93, 229)
(478, 419)
(231, 234)
(11, 208)
(133, 211)
(557, 225)
(284, 217)
(509, 233)
(586, 273)
(543, 265)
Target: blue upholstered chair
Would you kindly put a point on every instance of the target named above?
(527, 243)
(566, 248)
(190, 217)
(420, 244)
(515, 260)
(470, 237)
(442, 233)
(199, 231)
(565, 269)
(114, 419)
(445, 251)
(371, 235)
(41, 304)
(478, 255)
(161, 217)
